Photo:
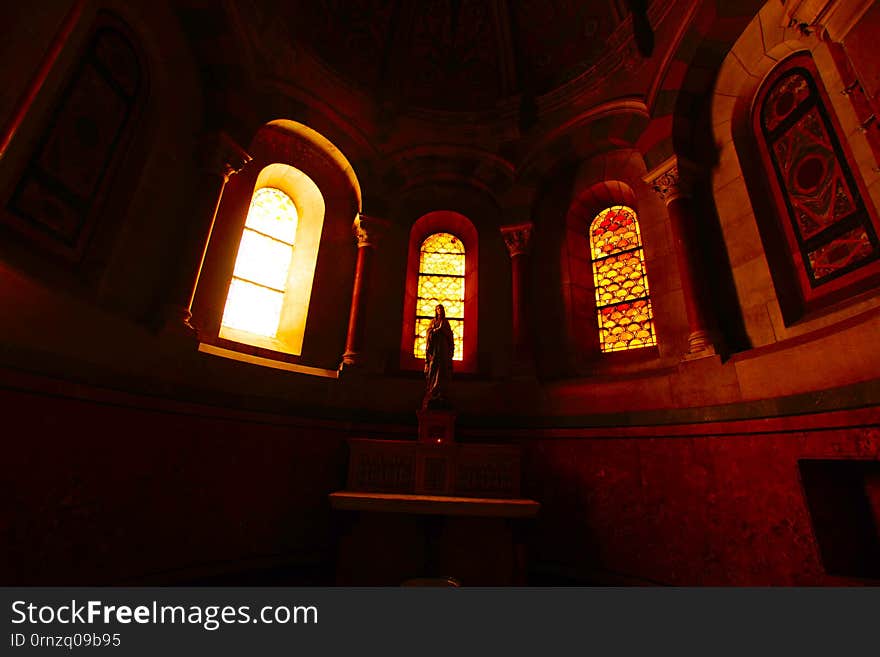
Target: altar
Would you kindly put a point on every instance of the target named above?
(432, 511)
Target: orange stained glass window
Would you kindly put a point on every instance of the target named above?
(259, 281)
(441, 280)
(623, 302)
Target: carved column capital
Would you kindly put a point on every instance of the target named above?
(518, 238)
(369, 230)
(671, 180)
(220, 155)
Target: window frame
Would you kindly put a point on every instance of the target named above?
(287, 143)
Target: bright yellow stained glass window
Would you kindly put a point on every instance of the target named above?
(623, 302)
(259, 280)
(441, 280)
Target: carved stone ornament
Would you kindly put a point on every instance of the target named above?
(368, 230)
(220, 155)
(668, 181)
(518, 238)
(835, 18)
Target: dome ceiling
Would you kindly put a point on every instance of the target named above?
(457, 54)
(516, 82)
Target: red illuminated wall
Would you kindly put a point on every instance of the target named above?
(718, 504)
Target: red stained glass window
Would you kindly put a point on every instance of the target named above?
(623, 300)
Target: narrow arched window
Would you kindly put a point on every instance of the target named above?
(441, 267)
(441, 281)
(623, 302)
(259, 280)
(827, 226)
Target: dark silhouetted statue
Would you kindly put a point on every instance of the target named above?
(438, 361)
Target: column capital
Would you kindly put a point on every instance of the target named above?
(673, 179)
(518, 238)
(369, 230)
(220, 155)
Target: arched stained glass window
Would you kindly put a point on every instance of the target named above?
(259, 281)
(623, 302)
(60, 199)
(828, 227)
(441, 280)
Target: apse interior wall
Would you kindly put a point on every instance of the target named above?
(109, 487)
(118, 491)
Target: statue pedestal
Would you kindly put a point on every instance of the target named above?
(436, 426)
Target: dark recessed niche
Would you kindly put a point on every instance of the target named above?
(843, 498)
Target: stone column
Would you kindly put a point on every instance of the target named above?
(367, 232)
(219, 158)
(518, 239)
(671, 182)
